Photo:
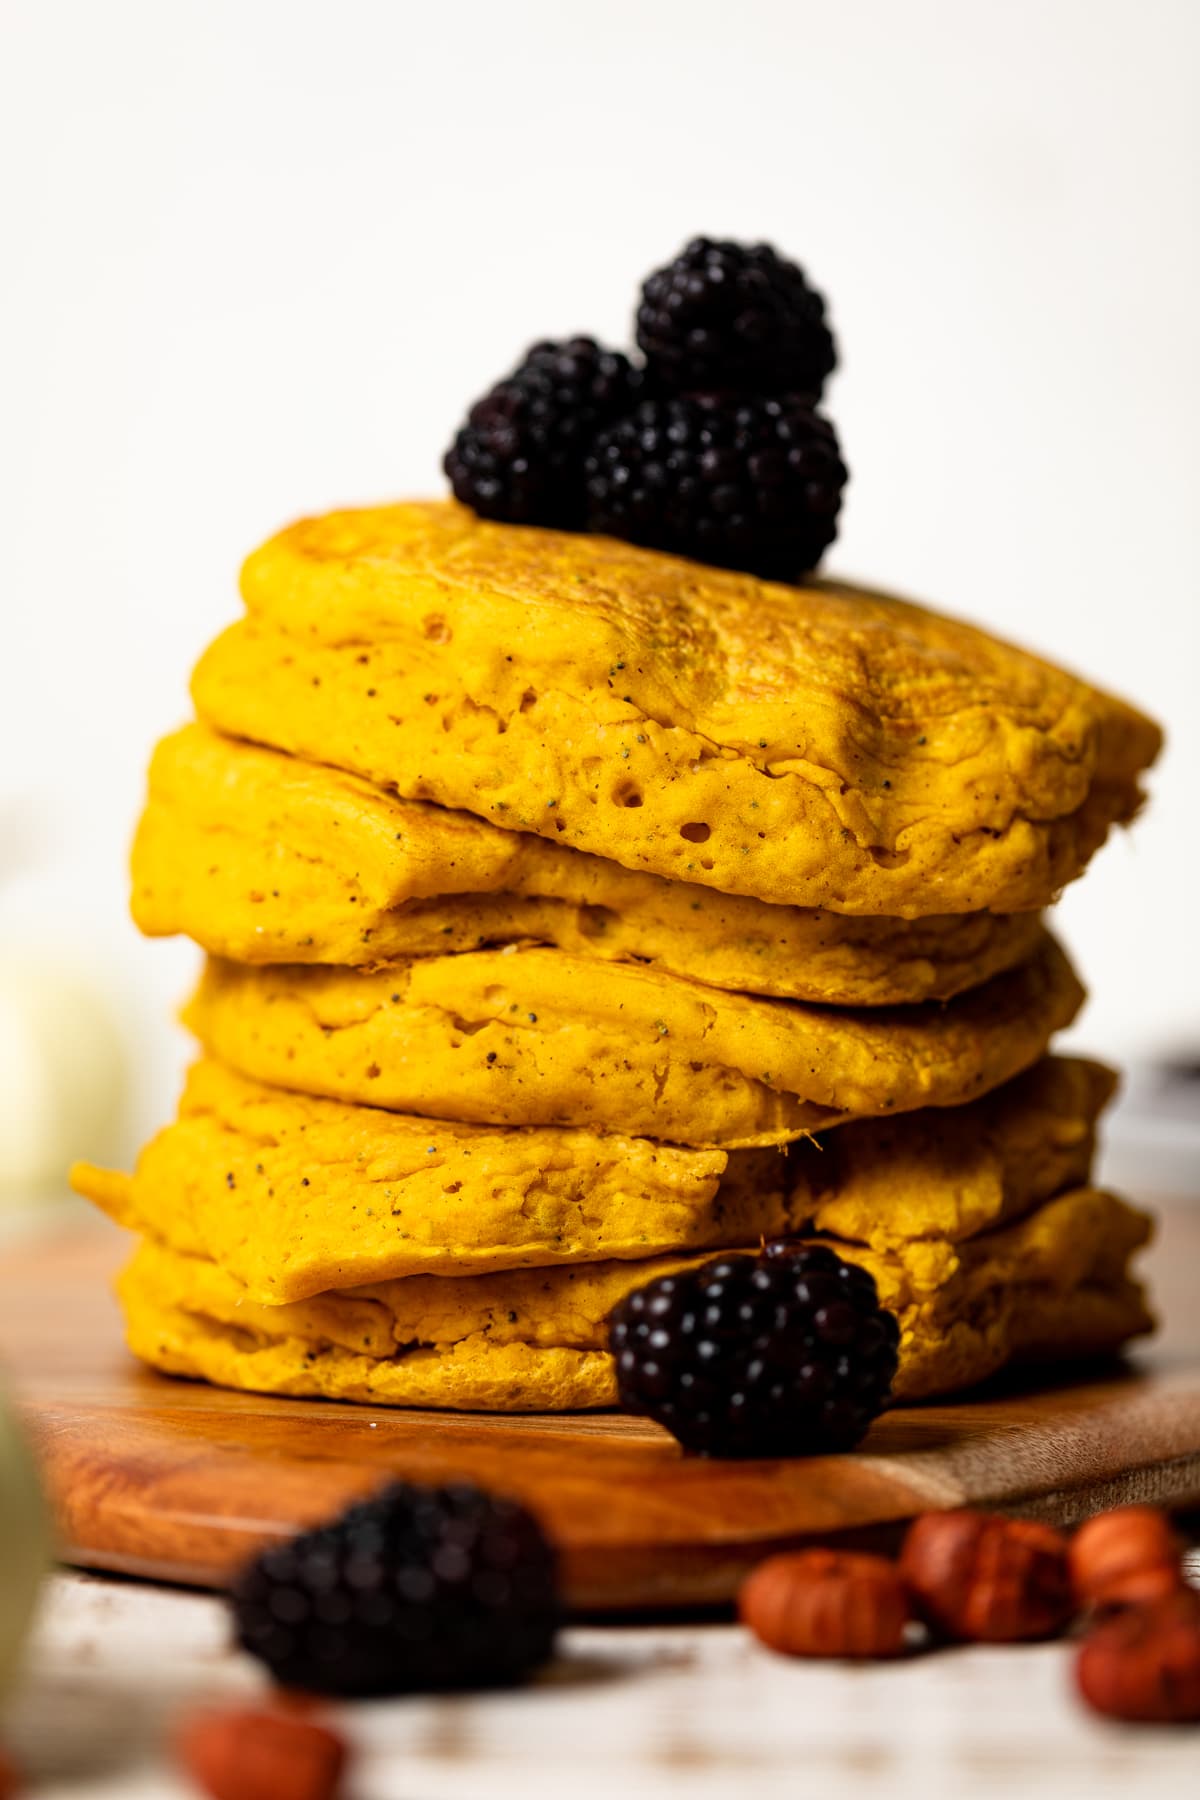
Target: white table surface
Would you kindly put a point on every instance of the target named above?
(627, 1712)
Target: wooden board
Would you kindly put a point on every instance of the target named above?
(180, 1482)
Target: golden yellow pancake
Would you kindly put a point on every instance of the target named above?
(1054, 1284)
(294, 1196)
(817, 746)
(886, 1182)
(266, 858)
(537, 1037)
(468, 1376)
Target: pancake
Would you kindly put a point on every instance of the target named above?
(1054, 1284)
(537, 1037)
(293, 1196)
(817, 746)
(886, 1182)
(265, 858)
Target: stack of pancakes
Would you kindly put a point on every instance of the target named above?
(574, 912)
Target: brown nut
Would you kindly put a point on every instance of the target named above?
(1128, 1557)
(981, 1578)
(10, 1780)
(1143, 1664)
(241, 1753)
(826, 1603)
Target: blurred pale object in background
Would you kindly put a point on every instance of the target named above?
(25, 1543)
(63, 1076)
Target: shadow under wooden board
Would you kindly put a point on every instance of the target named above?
(180, 1482)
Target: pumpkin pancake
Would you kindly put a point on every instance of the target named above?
(1053, 1284)
(537, 1037)
(292, 1196)
(817, 746)
(887, 1182)
(265, 858)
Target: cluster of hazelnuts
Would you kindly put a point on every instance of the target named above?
(975, 1577)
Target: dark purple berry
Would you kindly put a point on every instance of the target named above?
(788, 1353)
(417, 1588)
(749, 483)
(519, 456)
(739, 316)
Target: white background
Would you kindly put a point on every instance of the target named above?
(257, 256)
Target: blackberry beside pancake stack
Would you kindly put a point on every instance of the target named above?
(575, 912)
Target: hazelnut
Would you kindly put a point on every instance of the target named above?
(978, 1577)
(1128, 1557)
(826, 1603)
(246, 1754)
(1143, 1664)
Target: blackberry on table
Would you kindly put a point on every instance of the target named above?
(750, 483)
(415, 1588)
(739, 316)
(788, 1353)
(519, 455)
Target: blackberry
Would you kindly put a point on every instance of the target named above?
(415, 1588)
(519, 456)
(783, 1354)
(735, 316)
(754, 484)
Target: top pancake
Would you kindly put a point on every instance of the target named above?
(813, 746)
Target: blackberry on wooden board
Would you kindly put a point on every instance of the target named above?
(785, 1354)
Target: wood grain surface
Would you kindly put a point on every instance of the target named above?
(180, 1482)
